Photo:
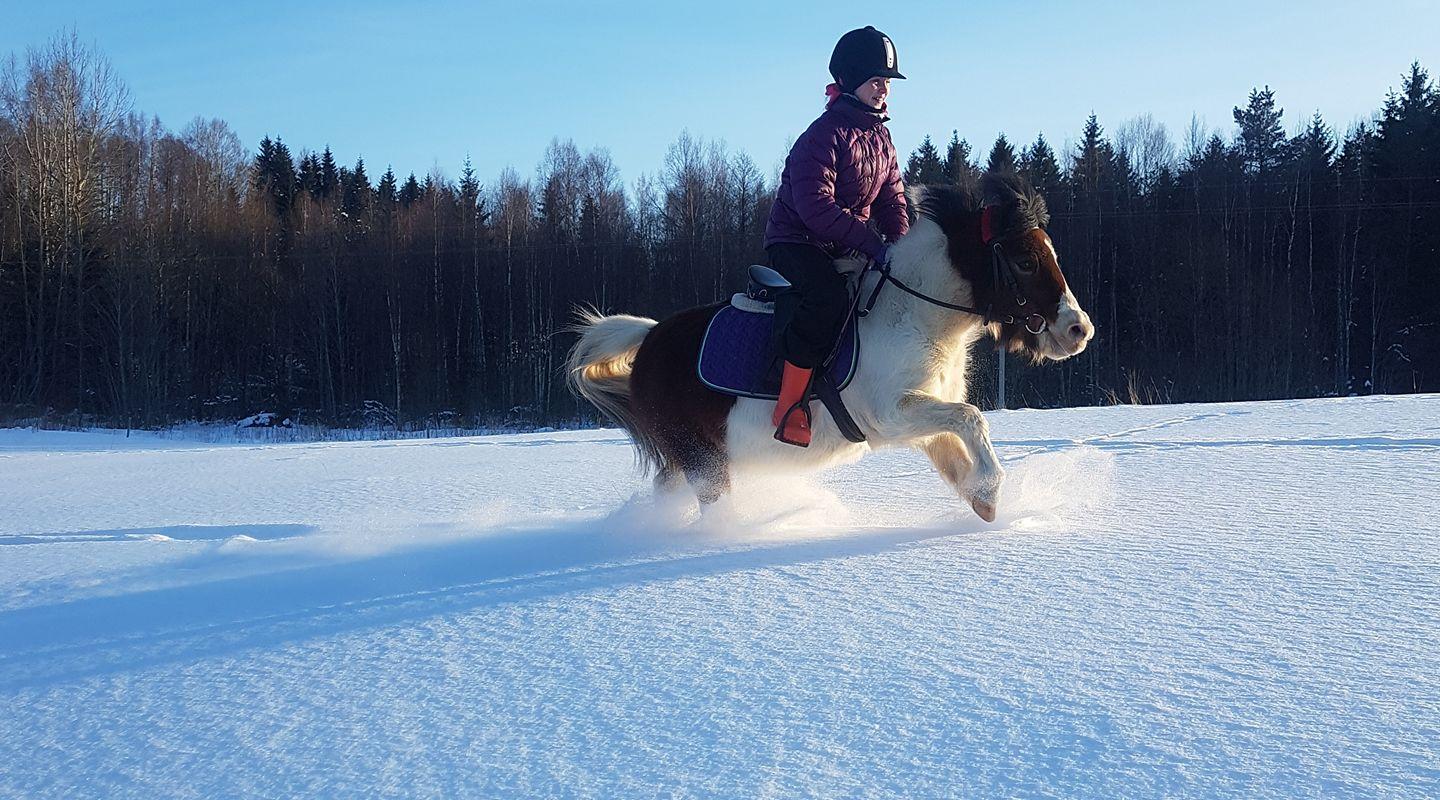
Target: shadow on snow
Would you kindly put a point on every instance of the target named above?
(471, 570)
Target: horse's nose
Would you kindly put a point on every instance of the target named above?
(1082, 330)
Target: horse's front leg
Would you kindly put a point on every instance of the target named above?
(958, 444)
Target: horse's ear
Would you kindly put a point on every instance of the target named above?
(1039, 209)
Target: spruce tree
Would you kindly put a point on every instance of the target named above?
(260, 167)
(924, 166)
(386, 196)
(410, 191)
(329, 175)
(1093, 157)
(355, 193)
(1406, 159)
(1407, 128)
(1260, 136)
(282, 180)
(1002, 156)
(1039, 166)
(310, 174)
(1315, 147)
(469, 185)
(472, 203)
(957, 166)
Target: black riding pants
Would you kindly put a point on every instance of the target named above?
(809, 318)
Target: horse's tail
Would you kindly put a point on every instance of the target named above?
(598, 370)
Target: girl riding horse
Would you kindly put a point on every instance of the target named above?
(840, 169)
(977, 261)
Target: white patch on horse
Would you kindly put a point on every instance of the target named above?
(1072, 329)
(1061, 340)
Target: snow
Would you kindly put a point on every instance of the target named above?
(1207, 600)
(265, 419)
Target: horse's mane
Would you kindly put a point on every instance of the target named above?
(1018, 207)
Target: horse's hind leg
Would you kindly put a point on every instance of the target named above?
(668, 479)
(691, 457)
(708, 472)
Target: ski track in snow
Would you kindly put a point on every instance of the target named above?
(1237, 600)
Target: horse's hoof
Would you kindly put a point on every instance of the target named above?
(983, 493)
(985, 509)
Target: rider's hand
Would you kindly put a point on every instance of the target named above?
(883, 257)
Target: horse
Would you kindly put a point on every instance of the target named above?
(977, 260)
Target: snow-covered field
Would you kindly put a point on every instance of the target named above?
(1236, 600)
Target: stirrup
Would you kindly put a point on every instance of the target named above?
(808, 428)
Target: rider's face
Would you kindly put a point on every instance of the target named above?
(873, 92)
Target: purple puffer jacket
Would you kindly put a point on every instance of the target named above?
(840, 167)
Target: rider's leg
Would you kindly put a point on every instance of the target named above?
(812, 314)
(808, 322)
(792, 409)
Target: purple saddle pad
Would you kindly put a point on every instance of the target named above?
(736, 357)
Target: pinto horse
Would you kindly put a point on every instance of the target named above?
(973, 263)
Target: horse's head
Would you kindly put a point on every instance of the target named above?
(1037, 312)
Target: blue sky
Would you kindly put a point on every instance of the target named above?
(420, 85)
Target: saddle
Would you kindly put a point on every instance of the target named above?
(738, 356)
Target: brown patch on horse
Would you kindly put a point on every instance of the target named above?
(956, 209)
(685, 419)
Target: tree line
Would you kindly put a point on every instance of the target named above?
(149, 276)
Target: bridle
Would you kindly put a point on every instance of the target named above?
(1003, 271)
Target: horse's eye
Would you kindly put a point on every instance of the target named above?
(1026, 265)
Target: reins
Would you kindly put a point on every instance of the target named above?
(1003, 270)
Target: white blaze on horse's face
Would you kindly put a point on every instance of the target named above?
(1072, 329)
(1044, 295)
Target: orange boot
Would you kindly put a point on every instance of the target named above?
(792, 412)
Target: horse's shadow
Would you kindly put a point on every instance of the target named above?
(462, 571)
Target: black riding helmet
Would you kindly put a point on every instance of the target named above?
(862, 54)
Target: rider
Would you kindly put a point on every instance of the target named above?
(840, 168)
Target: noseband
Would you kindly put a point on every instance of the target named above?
(1004, 272)
(1004, 269)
